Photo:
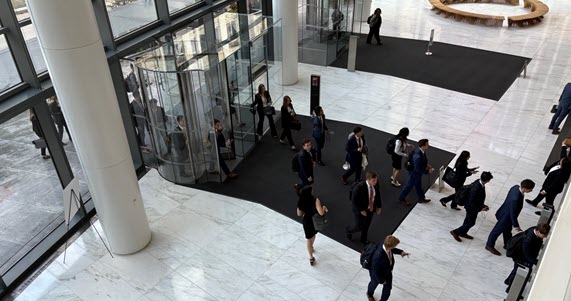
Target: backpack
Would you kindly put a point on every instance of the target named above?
(409, 165)
(352, 189)
(515, 244)
(295, 162)
(367, 256)
(369, 19)
(391, 144)
(463, 194)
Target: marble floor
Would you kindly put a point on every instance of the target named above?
(210, 247)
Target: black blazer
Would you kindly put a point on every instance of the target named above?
(381, 267)
(305, 164)
(259, 103)
(555, 182)
(476, 198)
(36, 127)
(287, 119)
(562, 155)
(353, 155)
(512, 206)
(179, 140)
(462, 172)
(530, 247)
(360, 196)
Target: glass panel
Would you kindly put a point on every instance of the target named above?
(30, 190)
(128, 15)
(255, 6)
(9, 75)
(20, 9)
(34, 48)
(175, 5)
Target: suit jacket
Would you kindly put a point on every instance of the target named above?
(530, 247)
(306, 164)
(511, 208)
(420, 162)
(555, 182)
(360, 196)
(318, 127)
(353, 155)
(259, 103)
(462, 172)
(36, 127)
(565, 99)
(287, 119)
(476, 198)
(377, 23)
(381, 267)
(179, 141)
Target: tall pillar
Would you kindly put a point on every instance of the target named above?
(287, 11)
(71, 44)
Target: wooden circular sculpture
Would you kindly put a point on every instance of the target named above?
(538, 10)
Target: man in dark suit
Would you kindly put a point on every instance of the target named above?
(507, 215)
(180, 143)
(366, 200)
(526, 253)
(562, 110)
(218, 141)
(382, 267)
(557, 177)
(421, 167)
(306, 161)
(473, 206)
(354, 148)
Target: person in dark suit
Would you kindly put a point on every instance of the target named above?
(562, 109)
(38, 131)
(473, 206)
(462, 172)
(375, 22)
(554, 183)
(57, 116)
(421, 167)
(288, 117)
(138, 113)
(307, 206)
(366, 200)
(382, 265)
(507, 215)
(565, 152)
(262, 101)
(306, 162)
(179, 139)
(354, 148)
(218, 138)
(319, 129)
(527, 253)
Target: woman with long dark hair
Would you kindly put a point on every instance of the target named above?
(288, 117)
(462, 172)
(554, 183)
(262, 102)
(400, 151)
(307, 206)
(319, 130)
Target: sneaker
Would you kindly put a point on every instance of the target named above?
(395, 184)
(282, 142)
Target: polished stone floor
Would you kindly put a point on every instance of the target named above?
(209, 247)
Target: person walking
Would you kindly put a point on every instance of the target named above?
(179, 140)
(461, 173)
(553, 185)
(218, 141)
(420, 167)
(400, 151)
(138, 113)
(375, 21)
(308, 206)
(263, 104)
(354, 148)
(562, 110)
(366, 201)
(526, 252)
(38, 131)
(475, 204)
(382, 265)
(59, 119)
(306, 161)
(319, 131)
(288, 117)
(507, 215)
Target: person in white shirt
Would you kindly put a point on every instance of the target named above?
(400, 152)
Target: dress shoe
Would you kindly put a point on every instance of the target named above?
(232, 175)
(404, 202)
(493, 251)
(556, 132)
(466, 236)
(530, 202)
(370, 298)
(424, 201)
(320, 163)
(455, 208)
(455, 235)
(348, 234)
(443, 202)
(45, 157)
(344, 181)
(537, 212)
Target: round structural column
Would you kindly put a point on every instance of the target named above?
(71, 44)
(287, 11)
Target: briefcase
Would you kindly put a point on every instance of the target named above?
(40, 143)
(320, 222)
(270, 110)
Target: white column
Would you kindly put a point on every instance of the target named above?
(79, 71)
(287, 11)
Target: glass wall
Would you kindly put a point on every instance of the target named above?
(9, 75)
(20, 9)
(176, 5)
(128, 15)
(34, 48)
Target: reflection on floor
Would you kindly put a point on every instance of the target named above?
(30, 191)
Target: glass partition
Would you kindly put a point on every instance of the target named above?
(128, 15)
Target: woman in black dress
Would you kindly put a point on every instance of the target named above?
(288, 117)
(462, 172)
(307, 206)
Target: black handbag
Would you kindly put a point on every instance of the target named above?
(320, 222)
(295, 125)
(450, 177)
(270, 110)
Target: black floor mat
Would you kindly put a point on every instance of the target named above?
(266, 178)
(468, 70)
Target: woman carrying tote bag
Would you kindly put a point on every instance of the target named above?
(308, 206)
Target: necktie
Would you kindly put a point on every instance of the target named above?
(358, 142)
(371, 198)
(389, 254)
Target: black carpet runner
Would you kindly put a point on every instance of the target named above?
(266, 178)
(468, 70)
